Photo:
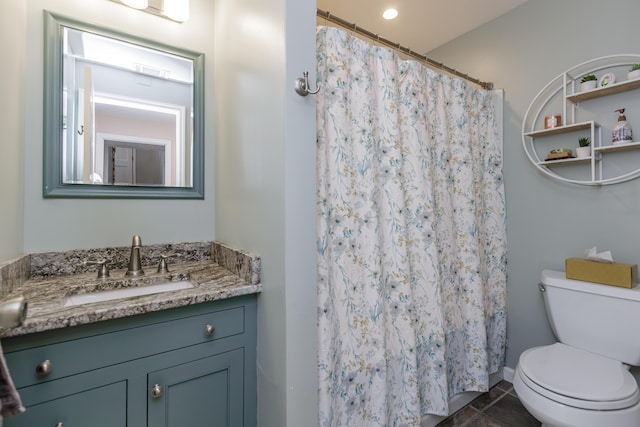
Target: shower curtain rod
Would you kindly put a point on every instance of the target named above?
(397, 46)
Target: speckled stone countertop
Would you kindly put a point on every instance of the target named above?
(218, 273)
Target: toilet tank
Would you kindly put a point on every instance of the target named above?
(598, 318)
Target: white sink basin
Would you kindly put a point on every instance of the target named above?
(135, 291)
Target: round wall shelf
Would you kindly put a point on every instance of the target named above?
(589, 114)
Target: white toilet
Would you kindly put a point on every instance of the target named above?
(584, 380)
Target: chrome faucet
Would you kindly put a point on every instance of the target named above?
(135, 265)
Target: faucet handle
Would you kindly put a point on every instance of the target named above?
(103, 271)
(162, 265)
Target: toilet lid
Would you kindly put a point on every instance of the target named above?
(587, 379)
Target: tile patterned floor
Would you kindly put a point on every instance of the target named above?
(499, 407)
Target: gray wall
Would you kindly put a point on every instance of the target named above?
(57, 224)
(12, 45)
(265, 181)
(548, 221)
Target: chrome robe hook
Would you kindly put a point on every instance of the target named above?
(302, 85)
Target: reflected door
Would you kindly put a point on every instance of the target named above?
(134, 164)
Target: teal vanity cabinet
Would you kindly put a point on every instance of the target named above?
(188, 366)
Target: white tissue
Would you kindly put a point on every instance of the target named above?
(593, 255)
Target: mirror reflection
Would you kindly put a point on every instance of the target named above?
(128, 115)
(126, 112)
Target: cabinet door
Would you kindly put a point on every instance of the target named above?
(204, 393)
(104, 406)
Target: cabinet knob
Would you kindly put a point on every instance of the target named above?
(156, 391)
(44, 368)
(60, 425)
(209, 330)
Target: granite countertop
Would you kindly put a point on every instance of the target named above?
(46, 295)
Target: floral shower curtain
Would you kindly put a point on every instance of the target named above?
(411, 236)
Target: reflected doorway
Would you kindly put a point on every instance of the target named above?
(132, 160)
(134, 164)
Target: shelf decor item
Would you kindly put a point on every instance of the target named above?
(559, 154)
(622, 132)
(551, 122)
(607, 79)
(588, 82)
(584, 149)
(634, 72)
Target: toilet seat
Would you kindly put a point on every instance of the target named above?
(578, 378)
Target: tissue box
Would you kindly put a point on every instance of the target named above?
(615, 274)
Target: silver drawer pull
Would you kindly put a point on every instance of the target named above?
(156, 391)
(60, 425)
(44, 368)
(209, 330)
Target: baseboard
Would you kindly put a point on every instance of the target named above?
(507, 374)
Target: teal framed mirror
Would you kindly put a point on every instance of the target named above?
(123, 116)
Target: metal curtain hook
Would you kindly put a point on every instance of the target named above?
(302, 85)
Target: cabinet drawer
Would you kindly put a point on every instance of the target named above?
(101, 349)
(102, 406)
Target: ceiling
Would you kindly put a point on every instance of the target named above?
(421, 25)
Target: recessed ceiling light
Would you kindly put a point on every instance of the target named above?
(390, 14)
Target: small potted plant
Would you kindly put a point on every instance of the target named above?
(584, 149)
(634, 72)
(588, 82)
